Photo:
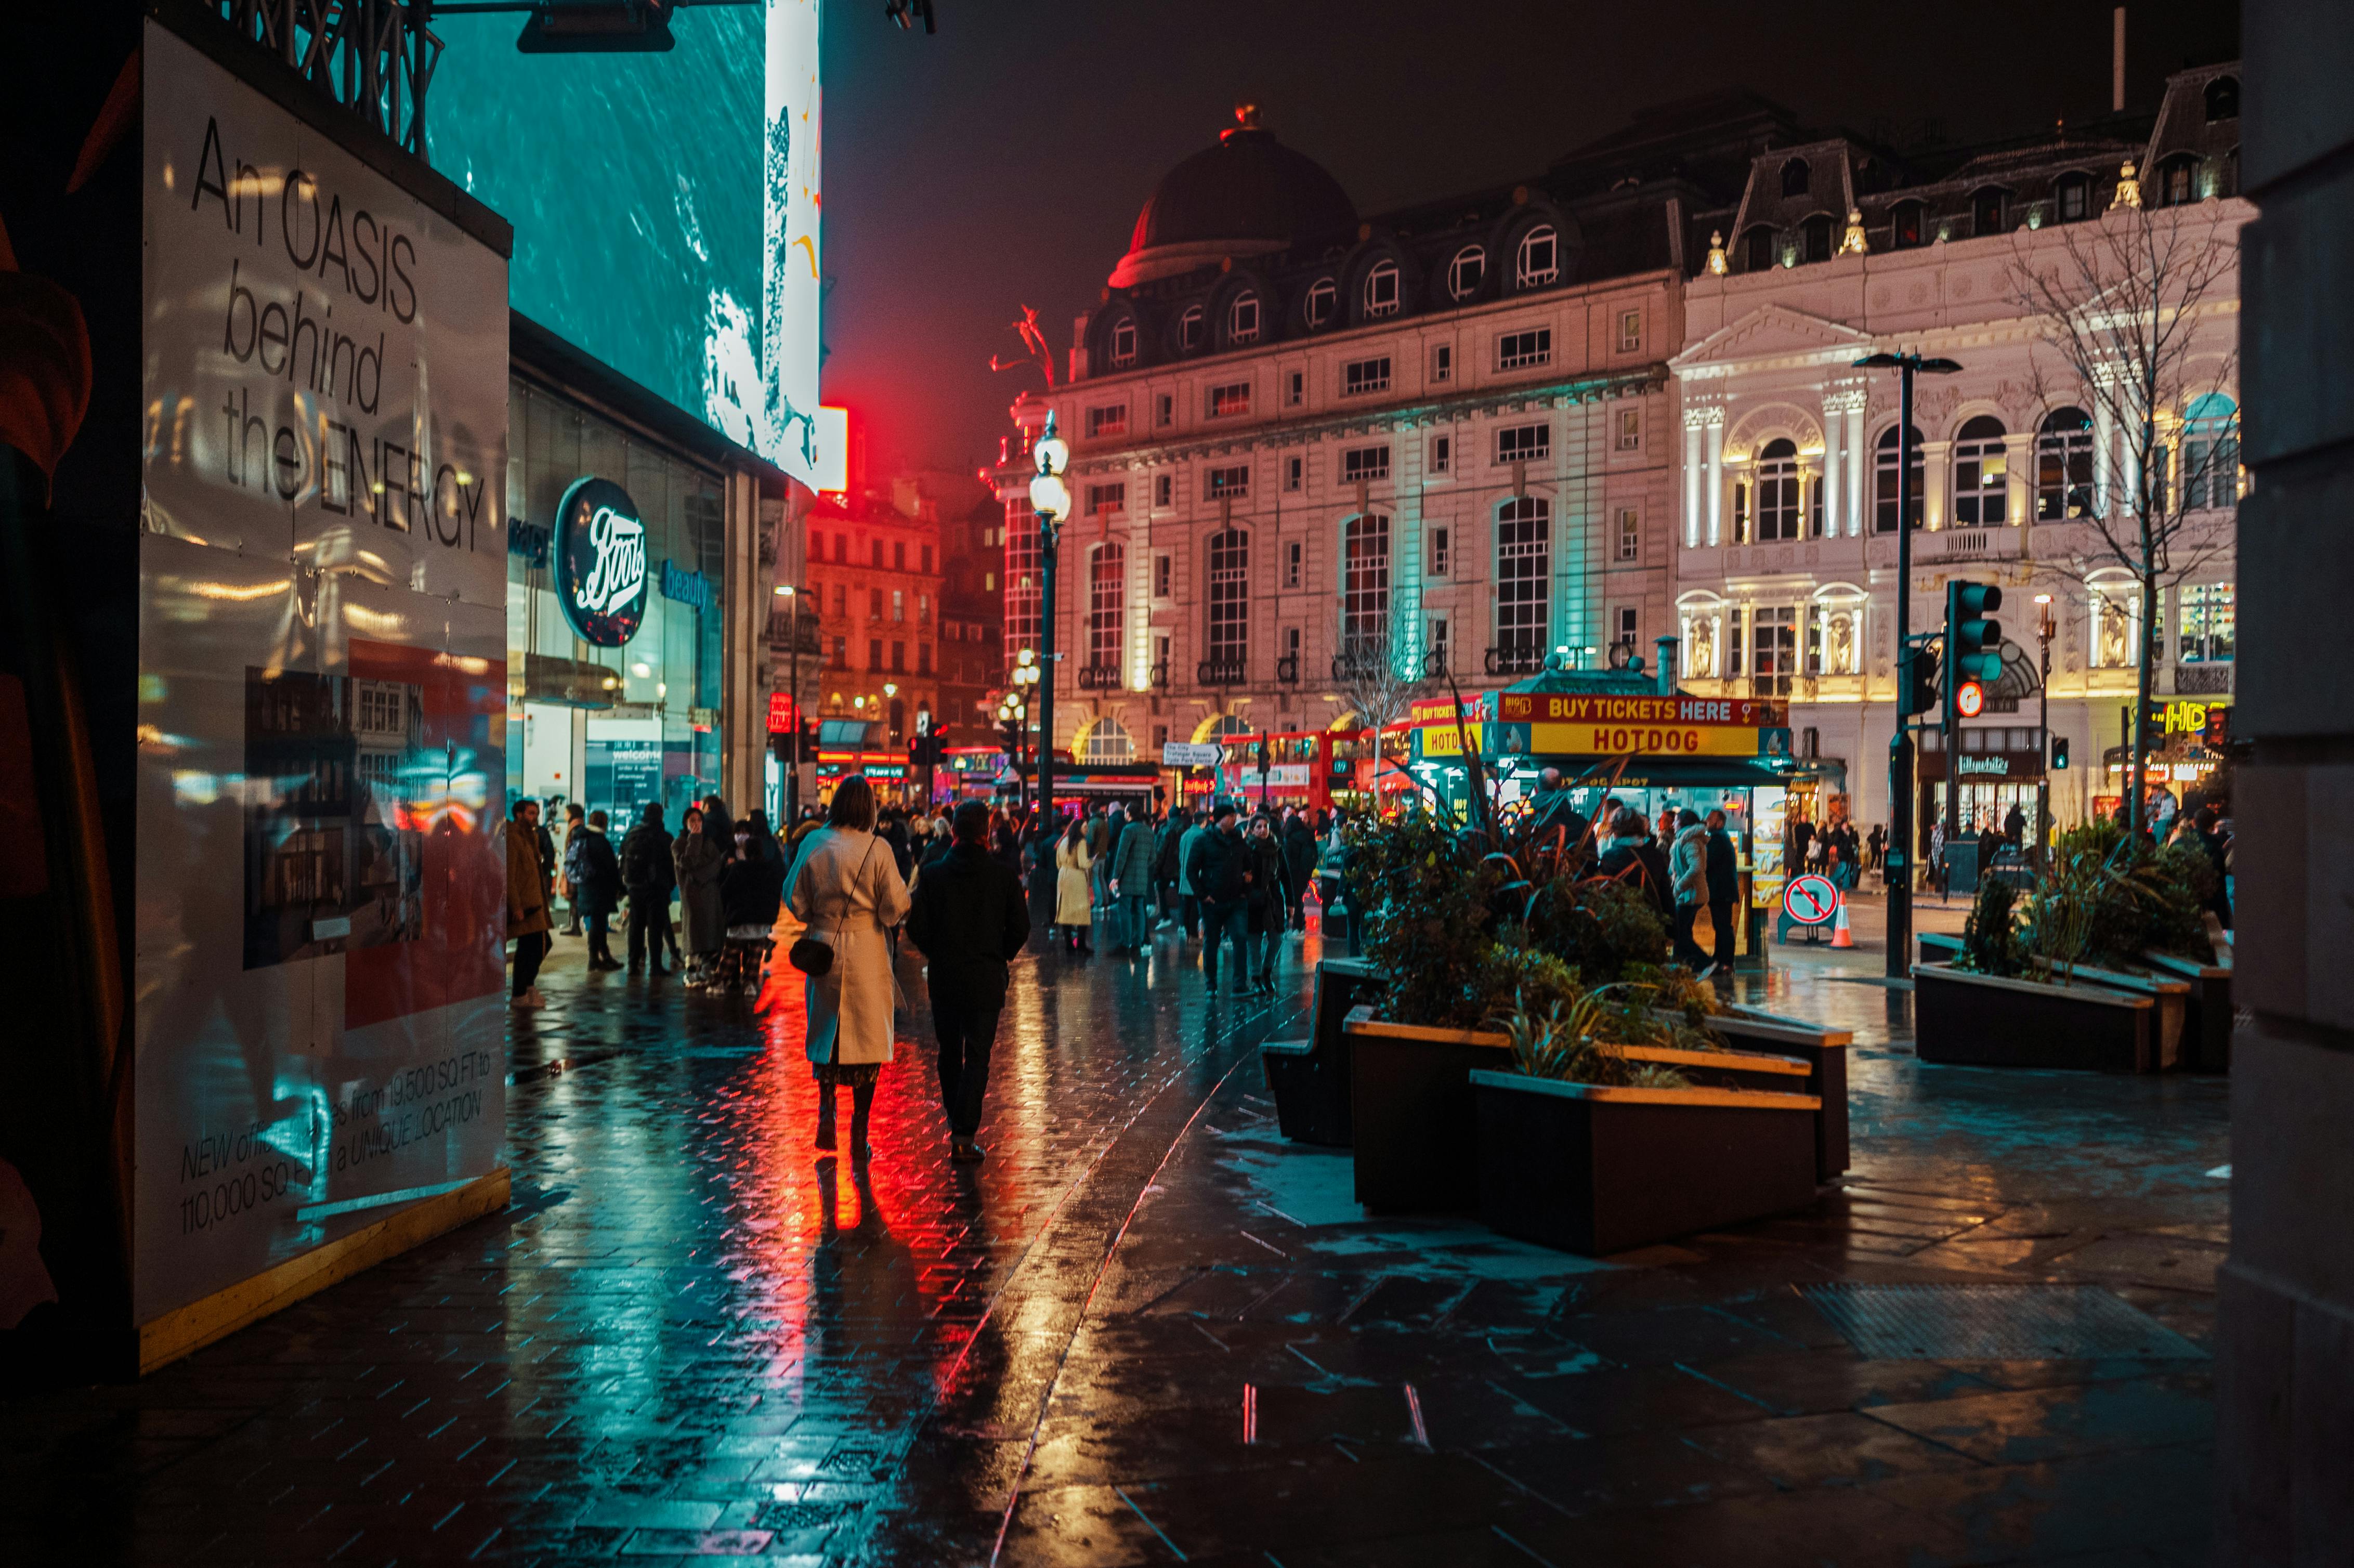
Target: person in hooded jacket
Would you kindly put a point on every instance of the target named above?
(1130, 881)
(596, 874)
(1633, 859)
(648, 875)
(1688, 877)
(751, 885)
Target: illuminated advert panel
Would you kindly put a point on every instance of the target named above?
(321, 690)
(790, 252)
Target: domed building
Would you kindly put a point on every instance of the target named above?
(1248, 195)
(1319, 458)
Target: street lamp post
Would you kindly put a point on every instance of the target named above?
(2043, 630)
(1050, 498)
(1900, 749)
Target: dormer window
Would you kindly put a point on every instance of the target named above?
(1904, 226)
(1322, 297)
(2223, 99)
(1539, 262)
(1465, 272)
(1242, 318)
(1381, 290)
(1987, 211)
(2072, 197)
(1794, 178)
(1123, 342)
(1816, 234)
(1189, 329)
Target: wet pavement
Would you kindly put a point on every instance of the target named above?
(1147, 1329)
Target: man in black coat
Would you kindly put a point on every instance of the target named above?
(970, 919)
(1220, 870)
(1724, 891)
(1298, 866)
(648, 874)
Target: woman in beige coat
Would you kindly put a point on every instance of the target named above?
(1074, 900)
(845, 888)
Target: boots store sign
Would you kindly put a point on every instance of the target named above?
(600, 562)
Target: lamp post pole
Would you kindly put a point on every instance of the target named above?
(2043, 630)
(1900, 769)
(792, 599)
(1050, 500)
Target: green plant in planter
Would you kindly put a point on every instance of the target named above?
(1598, 927)
(1991, 943)
(2106, 900)
(1428, 925)
(1571, 1040)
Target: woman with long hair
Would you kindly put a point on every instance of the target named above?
(846, 891)
(1073, 896)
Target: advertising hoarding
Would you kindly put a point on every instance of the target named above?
(790, 250)
(322, 690)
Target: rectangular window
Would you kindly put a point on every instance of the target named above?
(1630, 429)
(1358, 377)
(875, 652)
(1160, 737)
(841, 601)
(1292, 469)
(898, 658)
(923, 609)
(1442, 453)
(1232, 480)
(1164, 490)
(1230, 400)
(1361, 464)
(1775, 648)
(842, 547)
(899, 555)
(1520, 350)
(875, 554)
(1525, 443)
(923, 658)
(1294, 558)
(1112, 421)
(1441, 637)
(1440, 557)
(1295, 388)
(1630, 534)
(1164, 411)
(1291, 649)
(1442, 363)
(2209, 617)
(927, 560)
(1630, 331)
(1628, 623)
(874, 604)
(1230, 599)
(898, 605)
(1100, 498)
(1164, 575)
(842, 652)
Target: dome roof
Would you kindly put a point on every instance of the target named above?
(1248, 195)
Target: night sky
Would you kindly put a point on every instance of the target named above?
(1004, 160)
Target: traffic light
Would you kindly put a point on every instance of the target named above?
(2059, 752)
(1973, 638)
(1916, 681)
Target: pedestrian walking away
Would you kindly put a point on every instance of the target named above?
(969, 920)
(847, 894)
(1723, 889)
(1265, 901)
(1130, 882)
(1219, 869)
(595, 874)
(527, 920)
(1073, 896)
(648, 875)
(1300, 852)
(1189, 900)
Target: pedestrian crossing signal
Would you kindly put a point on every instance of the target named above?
(2059, 752)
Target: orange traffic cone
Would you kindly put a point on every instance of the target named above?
(1841, 936)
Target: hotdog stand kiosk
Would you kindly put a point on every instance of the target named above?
(1617, 734)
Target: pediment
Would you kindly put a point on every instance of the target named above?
(1774, 332)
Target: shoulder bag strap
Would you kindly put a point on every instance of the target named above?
(855, 877)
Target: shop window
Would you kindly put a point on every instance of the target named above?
(2207, 614)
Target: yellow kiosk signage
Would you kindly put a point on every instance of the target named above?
(1580, 725)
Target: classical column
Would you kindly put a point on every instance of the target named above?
(1830, 479)
(2018, 494)
(1694, 419)
(1715, 477)
(1937, 481)
(1859, 463)
(2105, 442)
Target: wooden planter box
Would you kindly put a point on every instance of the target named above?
(1595, 1171)
(2206, 1014)
(1414, 1123)
(2172, 995)
(1939, 947)
(1984, 1021)
(1824, 1051)
(1309, 1078)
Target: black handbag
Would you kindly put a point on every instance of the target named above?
(815, 957)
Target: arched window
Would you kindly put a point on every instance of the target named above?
(1123, 342)
(2176, 184)
(1539, 261)
(2223, 99)
(1883, 516)
(1794, 178)
(1381, 290)
(1465, 272)
(2063, 466)
(1988, 210)
(2210, 452)
(1524, 583)
(1777, 491)
(1107, 604)
(1981, 474)
(1229, 639)
(1189, 329)
(2071, 198)
(1242, 318)
(1365, 588)
(1322, 297)
(1108, 740)
(1818, 236)
(1905, 227)
(1757, 249)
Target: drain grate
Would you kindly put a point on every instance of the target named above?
(1994, 1323)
